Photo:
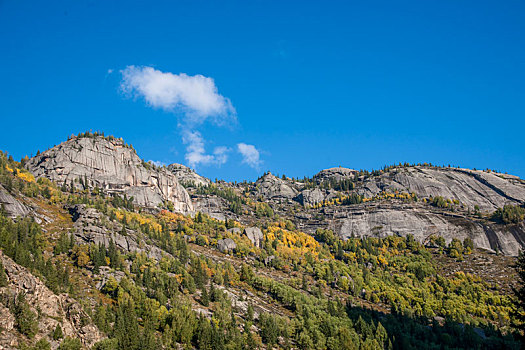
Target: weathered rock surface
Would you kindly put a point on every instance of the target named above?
(272, 187)
(311, 197)
(215, 207)
(55, 309)
(187, 176)
(255, 235)
(226, 245)
(471, 187)
(12, 206)
(382, 219)
(91, 226)
(113, 167)
(336, 174)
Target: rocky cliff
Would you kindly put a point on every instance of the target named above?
(487, 190)
(109, 164)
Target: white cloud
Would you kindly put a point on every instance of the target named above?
(195, 98)
(196, 152)
(250, 155)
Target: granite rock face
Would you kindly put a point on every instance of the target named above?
(336, 174)
(12, 206)
(226, 245)
(113, 167)
(272, 187)
(311, 197)
(91, 226)
(255, 235)
(489, 191)
(187, 176)
(54, 309)
(383, 219)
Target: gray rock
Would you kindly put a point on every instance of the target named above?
(383, 219)
(336, 174)
(311, 197)
(12, 206)
(226, 245)
(187, 176)
(471, 187)
(255, 235)
(235, 230)
(272, 187)
(215, 207)
(112, 167)
(88, 228)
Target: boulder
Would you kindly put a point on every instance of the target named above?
(255, 235)
(226, 245)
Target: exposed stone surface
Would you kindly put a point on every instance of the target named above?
(187, 176)
(255, 235)
(215, 207)
(11, 205)
(336, 174)
(382, 219)
(311, 197)
(114, 168)
(55, 309)
(235, 230)
(226, 245)
(91, 226)
(272, 187)
(471, 187)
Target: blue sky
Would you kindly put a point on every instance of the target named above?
(311, 84)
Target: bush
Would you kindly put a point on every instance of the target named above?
(70, 344)
(509, 214)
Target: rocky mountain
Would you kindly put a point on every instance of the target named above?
(113, 167)
(246, 265)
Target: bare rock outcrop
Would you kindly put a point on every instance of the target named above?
(487, 190)
(336, 174)
(255, 235)
(54, 309)
(272, 187)
(91, 226)
(382, 219)
(311, 197)
(114, 167)
(187, 176)
(226, 245)
(12, 206)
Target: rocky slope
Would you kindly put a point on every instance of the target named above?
(487, 190)
(52, 310)
(107, 163)
(11, 205)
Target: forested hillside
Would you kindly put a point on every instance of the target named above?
(84, 265)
